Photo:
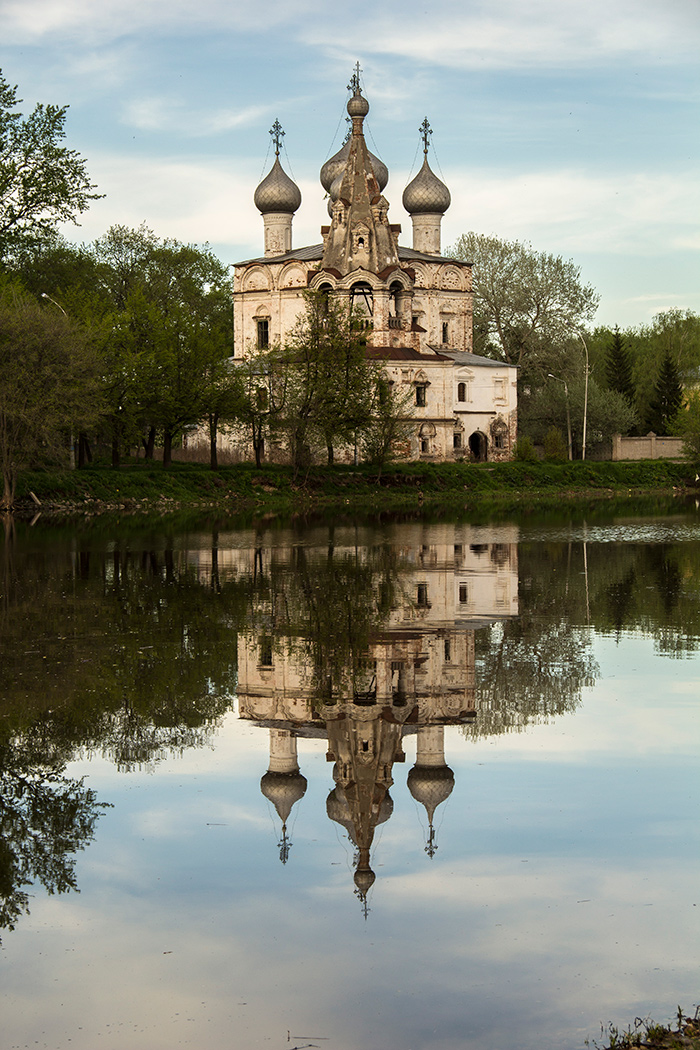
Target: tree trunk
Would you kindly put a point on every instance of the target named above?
(213, 453)
(150, 443)
(330, 454)
(115, 452)
(84, 450)
(8, 490)
(167, 448)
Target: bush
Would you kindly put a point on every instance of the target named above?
(555, 447)
(524, 451)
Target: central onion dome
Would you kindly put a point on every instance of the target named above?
(277, 193)
(335, 166)
(426, 194)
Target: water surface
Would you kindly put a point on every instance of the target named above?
(400, 786)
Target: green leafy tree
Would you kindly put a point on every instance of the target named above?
(390, 424)
(170, 340)
(526, 303)
(328, 396)
(42, 182)
(48, 384)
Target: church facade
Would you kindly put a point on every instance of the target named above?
(417, 303)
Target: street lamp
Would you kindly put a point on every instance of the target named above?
(585, 397)
(568, 412)
(72, 443)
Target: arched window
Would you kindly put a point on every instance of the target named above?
(362, 299)
(461, 391)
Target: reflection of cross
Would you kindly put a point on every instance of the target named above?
(277, 133)
(354, 84)
(426, 131)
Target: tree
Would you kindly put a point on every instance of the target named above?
(48, 384)
(390, 421)
(42, 183)
(170, 339)
(526, 303)
(328, 397)
(618, 367)
(667, 398)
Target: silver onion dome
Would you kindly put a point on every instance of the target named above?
(335, 166)
(426, 194)
(277, 193)
(430, 785)
(283, 790)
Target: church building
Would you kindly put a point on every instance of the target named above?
(417, 302)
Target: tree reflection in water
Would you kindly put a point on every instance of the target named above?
(134, 649)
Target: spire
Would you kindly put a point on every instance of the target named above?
(360, 237)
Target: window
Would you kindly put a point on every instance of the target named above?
(266, 652)
(461, 391)
(448, 651)
(422, 594)
(499, 389)
(424, 445)
(445, 332)
(462, 594)
(263, 334)
(457, 440)
(499, 440)
(420, 395)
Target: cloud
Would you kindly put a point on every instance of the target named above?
(166, 114)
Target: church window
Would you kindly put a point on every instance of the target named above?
(499, 389)
(457, 439)
(263, 334)
(499, 440)
(362, 299)
(445, 332)
(420, 395)
(424, 445)
(462, 594)
(461, 391)
(266, 652)
(422, 594)
(448, 650)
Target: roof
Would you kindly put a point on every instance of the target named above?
(462, 357)
(314, 252)
(402, 353)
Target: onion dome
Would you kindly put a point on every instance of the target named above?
(277, 193)
(334, 168)
(364, 880)
(283, 790)
(426, 193)
(430, 785)
(358, 106)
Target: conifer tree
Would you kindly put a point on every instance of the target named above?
(618, 367)
(667, 398)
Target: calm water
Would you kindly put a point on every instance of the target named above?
(410, 786)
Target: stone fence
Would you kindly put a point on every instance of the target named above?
(649, 447)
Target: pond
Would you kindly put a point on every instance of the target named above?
(417, 784)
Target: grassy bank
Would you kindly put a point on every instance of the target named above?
(141, 486)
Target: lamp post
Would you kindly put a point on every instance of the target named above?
(568, 412)
(72, 444)
(585, 398)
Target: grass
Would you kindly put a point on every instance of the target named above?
(647, 1033)
(139, 486)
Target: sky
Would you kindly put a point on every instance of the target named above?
(572, 127)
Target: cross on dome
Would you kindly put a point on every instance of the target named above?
(277, 133)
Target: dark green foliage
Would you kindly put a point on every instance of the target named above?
(667, 398)
(555, 445)
(42, 183)
(618, 367)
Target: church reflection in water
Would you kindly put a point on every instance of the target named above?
(414, 674)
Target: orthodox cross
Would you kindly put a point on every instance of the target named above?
(348, 130)
(354, 84)
(426, 131)
(277, 133)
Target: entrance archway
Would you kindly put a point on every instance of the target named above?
(478, 446)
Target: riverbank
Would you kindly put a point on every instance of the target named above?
(142, 487)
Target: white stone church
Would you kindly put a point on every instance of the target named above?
(418, 302)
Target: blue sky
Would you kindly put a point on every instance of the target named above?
(571, 126)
